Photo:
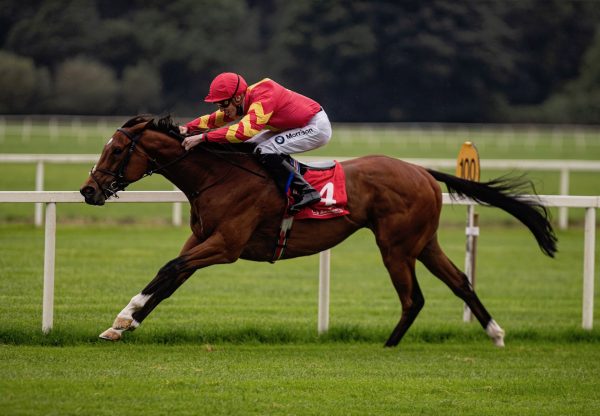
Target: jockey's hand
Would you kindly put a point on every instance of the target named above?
(192, 141)
(183, 130)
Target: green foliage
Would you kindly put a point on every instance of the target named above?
(140, 89)
(17, 82)
(57, 31)
(579, 100)
(84, 86)
(440, 60)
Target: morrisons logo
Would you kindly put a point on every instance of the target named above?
(299, 133)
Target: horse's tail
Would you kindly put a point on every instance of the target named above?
(504, 193)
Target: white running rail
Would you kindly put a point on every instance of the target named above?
(589, 203)
(562, 166)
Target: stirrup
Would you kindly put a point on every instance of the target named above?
(306, 200)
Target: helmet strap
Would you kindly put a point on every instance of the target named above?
(236, 87)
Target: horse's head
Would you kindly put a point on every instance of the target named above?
(121, 163)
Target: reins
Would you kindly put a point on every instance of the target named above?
(231, 162)
(219, 154)
(120, 183)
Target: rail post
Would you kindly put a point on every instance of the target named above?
(468, 167)
(176, 211)
(49, 256)
(563, 212)
(324, 277)
(39, 186)
(588, 268)
(472, 233)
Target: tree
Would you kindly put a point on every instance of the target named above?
(385, 60)
(141, 89)
(85, 86)
(326, 50)
(17, 82)
(578, 101)
(549, 41)
(60, 29)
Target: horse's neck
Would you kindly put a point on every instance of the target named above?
(199, 170)
(194, 172)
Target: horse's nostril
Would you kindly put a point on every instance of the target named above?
(87, 191)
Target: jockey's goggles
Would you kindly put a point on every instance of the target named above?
(223, 104)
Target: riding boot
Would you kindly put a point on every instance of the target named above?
(287, 176)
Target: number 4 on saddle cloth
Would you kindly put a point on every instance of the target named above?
(329, 180)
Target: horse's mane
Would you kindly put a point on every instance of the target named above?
(167, 126)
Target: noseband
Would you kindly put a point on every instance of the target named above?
(119, 183)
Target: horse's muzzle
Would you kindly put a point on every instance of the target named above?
(92, 195)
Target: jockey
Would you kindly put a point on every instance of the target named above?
(279, 121)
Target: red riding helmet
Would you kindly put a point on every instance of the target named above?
(225, 86)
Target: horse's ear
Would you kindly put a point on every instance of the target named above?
(149, 124)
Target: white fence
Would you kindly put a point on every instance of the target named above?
(562, 166)
(41, 159)
(423, 135)
(589, 203)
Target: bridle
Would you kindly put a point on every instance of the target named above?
(120, 183)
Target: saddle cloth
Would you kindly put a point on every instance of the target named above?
(331, 184)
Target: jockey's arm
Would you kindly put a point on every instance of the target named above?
(206, 122)
(251, 124)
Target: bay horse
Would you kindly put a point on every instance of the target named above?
(236, 211)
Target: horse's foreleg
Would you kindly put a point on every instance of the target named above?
(438, 263)
(167, 280)
(124, 320)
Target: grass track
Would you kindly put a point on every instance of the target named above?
(338, 379)
(99, 268)
(241, 338)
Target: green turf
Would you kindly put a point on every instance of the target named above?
(242, 338)
(339, 379)
(99, 268)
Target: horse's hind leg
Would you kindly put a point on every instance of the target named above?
(402, 273)
(438, 263)
(401, 268)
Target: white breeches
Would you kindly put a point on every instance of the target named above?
(316, 133)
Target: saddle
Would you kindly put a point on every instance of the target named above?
(329, 179)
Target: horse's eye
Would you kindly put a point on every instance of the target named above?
(117, 151)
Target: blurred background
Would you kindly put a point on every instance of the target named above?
(408, 79)
(368, 61)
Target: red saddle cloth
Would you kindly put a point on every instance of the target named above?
(331, 184)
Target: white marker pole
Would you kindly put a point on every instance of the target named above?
(49, 255)
(324, 267)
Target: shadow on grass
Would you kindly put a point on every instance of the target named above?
(283, 335)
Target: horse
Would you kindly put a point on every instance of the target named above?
(236, 211)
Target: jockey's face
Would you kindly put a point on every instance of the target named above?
(229, 107)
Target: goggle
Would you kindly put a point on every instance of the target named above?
(223, 104)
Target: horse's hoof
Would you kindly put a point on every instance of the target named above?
(496, 333)
(111, 334)
(124, 324)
